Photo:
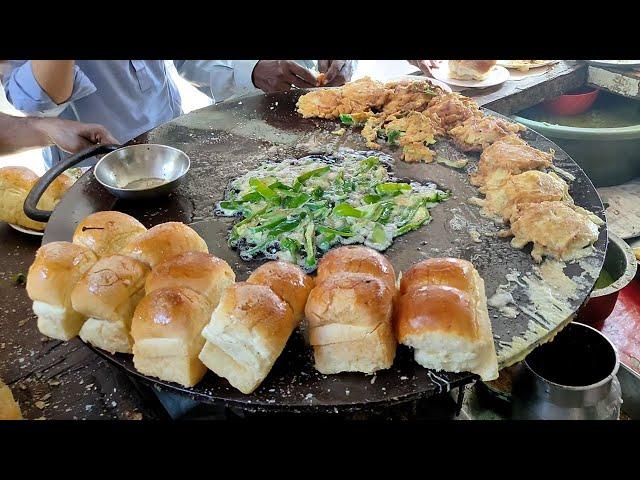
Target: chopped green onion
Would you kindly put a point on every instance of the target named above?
(392, 137)
(346, 210)
(347, 119)
(390, 188)
(263, 190)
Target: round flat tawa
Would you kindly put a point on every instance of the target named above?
(229, 139)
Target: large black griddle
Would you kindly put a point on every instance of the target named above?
(228, 139)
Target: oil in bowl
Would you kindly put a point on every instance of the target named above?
(145, 183)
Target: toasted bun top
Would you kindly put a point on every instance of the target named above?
(164, 241)
(258, 309)
(56, 269)
(288, 281)
(175, 312)
(451, 272)
(106, 290)
(436, 309)
(206, 274)
(107, 233)
(351, 299)
(356, 259)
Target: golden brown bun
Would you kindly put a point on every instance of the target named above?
(357, 299)
(356, 259)
(107, 289)
(15, 185)
(9, 408)
(436, 308)
(470, 69)
(164, 241)
(452, 272)
(56, 269)
(206, 274)
(247, 333)
(288, 281)
(166, 330)
(108, 294)
(107, 233)
(448, 328)
(375, 351)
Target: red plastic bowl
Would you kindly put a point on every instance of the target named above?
(571, 104)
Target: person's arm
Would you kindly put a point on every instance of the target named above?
(227, 78)
(336, 72)
(20, 133)
(40, 87)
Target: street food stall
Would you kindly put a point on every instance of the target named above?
(408, 249)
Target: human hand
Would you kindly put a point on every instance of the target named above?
(425, 66)
(272, 76)
(73, 136)
(336, 72)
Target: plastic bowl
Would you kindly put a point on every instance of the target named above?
(571, 104)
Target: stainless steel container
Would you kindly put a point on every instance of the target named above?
(571, 378)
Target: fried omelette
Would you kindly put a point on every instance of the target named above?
(451, 109)
(478, 132)
(508, 156)
(557, 229)
(362, 96)
(529, 187)
(407, 96)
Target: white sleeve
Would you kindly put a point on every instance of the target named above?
(220, 79)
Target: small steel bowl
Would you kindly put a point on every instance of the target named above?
(132, 172)
(142, 171)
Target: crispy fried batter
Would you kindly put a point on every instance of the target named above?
(405, 96)
(509, 156)
(557, 229)
(416, 126)
(417, 152)
(360, 96)
(451, 109)
(370, 130)
(528, 187)
(478, 132)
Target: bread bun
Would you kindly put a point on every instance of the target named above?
(448, 327)
(202, 272)
(107, 233)
(166, 330)
(471, 69)
(56, 269)
(288, 281)
(15, 185)
(356, 259)
(247, 333)
(164, 241)
(108, 295)
(452, 272)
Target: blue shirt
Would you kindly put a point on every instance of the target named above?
(129, 97)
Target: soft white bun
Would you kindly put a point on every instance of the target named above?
(247, 333)
(288, 281)
(15, 185)
(349, 320)
(56, 269)
(164, 241)
(108, 294)
(108, 232)
(470, 69)
(166, 330)
(207, 274)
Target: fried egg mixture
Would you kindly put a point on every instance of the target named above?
(297, 209)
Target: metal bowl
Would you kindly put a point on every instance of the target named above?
(621, 264)
(142, 171)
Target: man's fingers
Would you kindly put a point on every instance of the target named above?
(323, 65)
(306, 77)
(334, 69)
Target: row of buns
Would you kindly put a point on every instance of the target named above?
(160, 295)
